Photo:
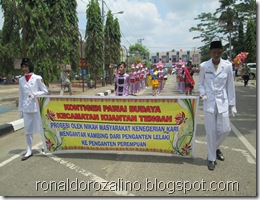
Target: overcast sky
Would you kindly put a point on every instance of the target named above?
(161, 25)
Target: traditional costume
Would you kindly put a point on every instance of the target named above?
(132, 76)
(122, 82)
(30, 86)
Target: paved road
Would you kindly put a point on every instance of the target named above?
(90, 174)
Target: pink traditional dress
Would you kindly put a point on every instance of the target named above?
(137, 80)
(122, 83)
(132, 76)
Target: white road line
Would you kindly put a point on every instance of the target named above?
(244, 152)
(18, 155)
(93, 177)
(75, 168)
(244, 140)
(9, 160)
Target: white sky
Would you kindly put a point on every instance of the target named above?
(162, 25)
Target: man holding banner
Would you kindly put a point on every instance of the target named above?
(216, 86)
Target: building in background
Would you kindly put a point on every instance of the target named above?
(169, 58)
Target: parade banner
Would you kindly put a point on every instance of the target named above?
(146, 125)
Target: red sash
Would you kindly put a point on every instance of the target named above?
(189, 78)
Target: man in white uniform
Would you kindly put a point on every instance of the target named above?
(216, 86)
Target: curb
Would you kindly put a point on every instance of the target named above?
(11, 127)
(107, 92)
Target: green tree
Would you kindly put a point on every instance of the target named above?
(138, 53)
(48, 33)
(208, 30)
(94, 53)
(10, 39)
(238, 41)
(250, 42)
(227, 17)
(231, 14)
(112, 40)
(116, 38)
(109, 50)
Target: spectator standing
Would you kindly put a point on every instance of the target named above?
(65, 81)
(246, 72)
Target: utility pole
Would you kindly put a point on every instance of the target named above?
(193, 56)
(103, 24)
(140, 40)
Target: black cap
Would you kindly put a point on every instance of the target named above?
(215, 45)
(27, 62)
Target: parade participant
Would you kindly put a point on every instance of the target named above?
(180, 79)
(30, 86)
(137, 80)
(142, 77)
(114, 77)
(146, 73)
(188, 79)
(161, 77)
(165, 77)
(216, 86)
(132, 76)
(154, 81)
(122, 81)
(65, 81)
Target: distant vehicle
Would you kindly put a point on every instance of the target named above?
(252, 70)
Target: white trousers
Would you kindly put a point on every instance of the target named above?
(217, 127)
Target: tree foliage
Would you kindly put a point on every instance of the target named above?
(112, 40)
(94, 53)
(45, 31)
(138, 53)
(230, 18)
(116, 37)
(250, 41)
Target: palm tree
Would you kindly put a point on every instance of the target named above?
(228, 16)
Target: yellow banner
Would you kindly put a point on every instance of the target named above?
(140, 124)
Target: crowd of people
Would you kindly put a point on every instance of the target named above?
(141, 77)
(216, 87)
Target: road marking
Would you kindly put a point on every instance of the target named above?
(10, 159)
(86, 173)
(244, 140)
(244, 152)
(18, 155)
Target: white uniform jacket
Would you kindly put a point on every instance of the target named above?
(34, 86)
(217, 85)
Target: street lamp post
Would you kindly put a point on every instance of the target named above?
(230, 51)
(103, 23)
(81, 59)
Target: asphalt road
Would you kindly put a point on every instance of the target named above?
(89, 174)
